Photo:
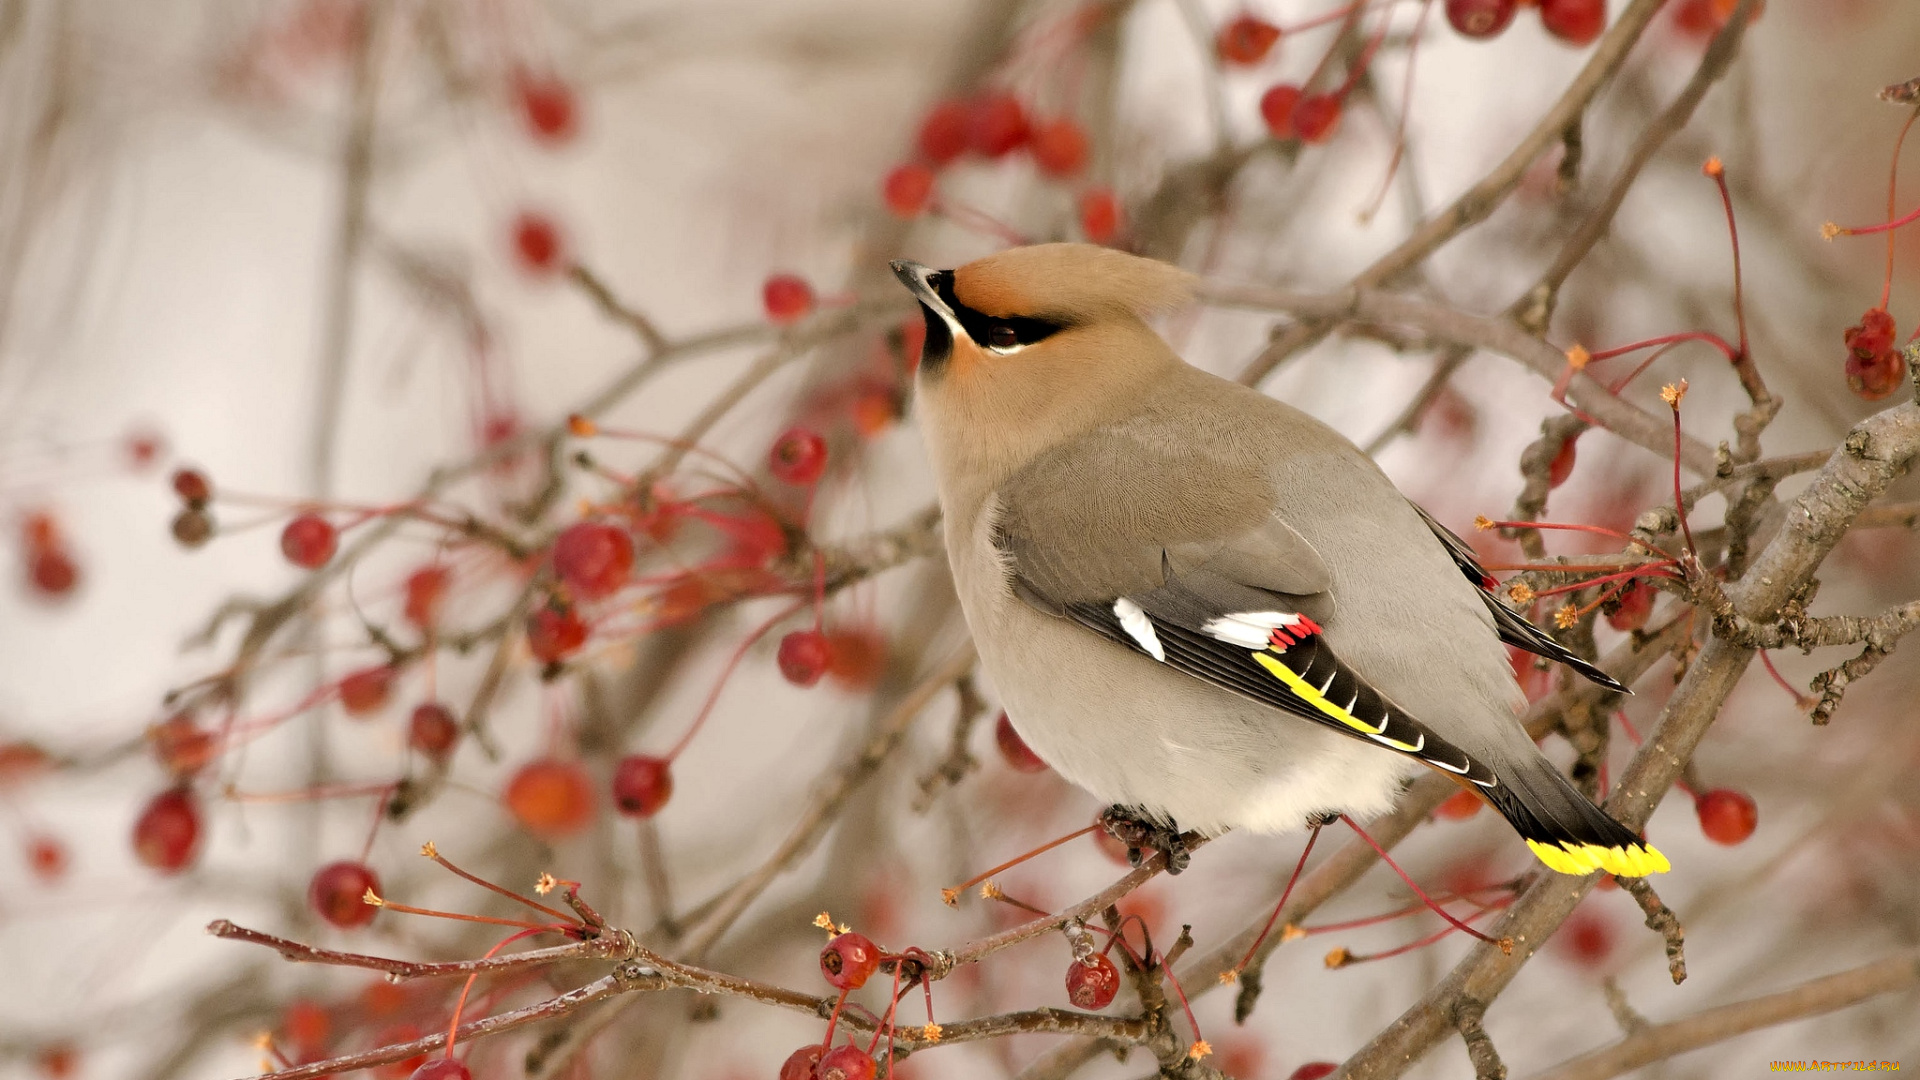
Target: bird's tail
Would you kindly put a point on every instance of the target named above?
(1568, 833)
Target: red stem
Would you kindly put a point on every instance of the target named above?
(1417, 890)
(1726, 200)
(453, 1028)
(1707, 336)
(733, 662)
(1312, 835)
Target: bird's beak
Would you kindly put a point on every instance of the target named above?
(943, 326)
(917, 280)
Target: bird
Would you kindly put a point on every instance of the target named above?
(1197, 602)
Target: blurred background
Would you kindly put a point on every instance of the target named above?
(361, 259)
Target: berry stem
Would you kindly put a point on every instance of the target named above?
(726, 673)
(953, 894)
(1622, 576)
(1707, 336)
(1313, 834)
(1719, 174)
(1400, 950)
(1406, 108)
(407, 909)
(453, 1026)
(1893, 195)
(433, 853)
(1679, 499)
(1799, 699)
(1506, 946)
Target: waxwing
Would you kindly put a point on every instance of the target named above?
(1201, 604)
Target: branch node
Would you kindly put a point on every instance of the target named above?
(1467, 1016)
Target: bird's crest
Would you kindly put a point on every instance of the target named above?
(1070, 283)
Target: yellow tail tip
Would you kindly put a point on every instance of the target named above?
(1634, 860)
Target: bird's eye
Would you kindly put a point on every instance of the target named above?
(1002, 336)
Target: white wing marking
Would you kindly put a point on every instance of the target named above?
(1138, 627)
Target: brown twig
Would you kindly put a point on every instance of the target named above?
(1824, 995)
(1661, 920)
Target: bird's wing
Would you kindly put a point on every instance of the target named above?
(1197, 573)
(1514, 629)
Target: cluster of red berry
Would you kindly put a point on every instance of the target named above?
(1576, 22)
(549, 113)
(991, 126)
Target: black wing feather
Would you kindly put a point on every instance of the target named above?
(1514, 630)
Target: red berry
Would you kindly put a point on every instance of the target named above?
(1726, 816)
(943, 134)
(47, 857)
(1246, 40)
(366, 691)
(166, 837)
(552, 799)
(553, 634)
(181, 746)
(441, 1068)
(1874, 368)
(433, 731)
(798, 457)
(1099, 214)
(1562, 465)
(1459, 806)
(1576, 22)
(1879, 377)
(848, 960)
(1704, 18)
(1314, 1070)
(1091, 983)
(593, 558)
(192, 527)
(547, 105)
(1019, 756)
(803, 1064)
(847, 1062)
(787, 297)
(52, 572)
(426, 589)
(803, 657)
(1316, 116)
(58, 1061)
(996, 124)
(143, 448)
(1875, 331)
(192, 486)
(1634, 605)
(642, 784)
(306, 1025)
(1588, 936)
(1276, 108)
(1480, 18)
(20, 762)
(536, 242)
(856, 657)
(309, 541)
(338, 893)
(40, 530)
(1059, 148)
(907, 189)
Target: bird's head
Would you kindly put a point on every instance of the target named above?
(1036, 344)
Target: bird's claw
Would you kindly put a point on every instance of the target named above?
(1142, 834)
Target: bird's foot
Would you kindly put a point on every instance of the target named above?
(1142, 834)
